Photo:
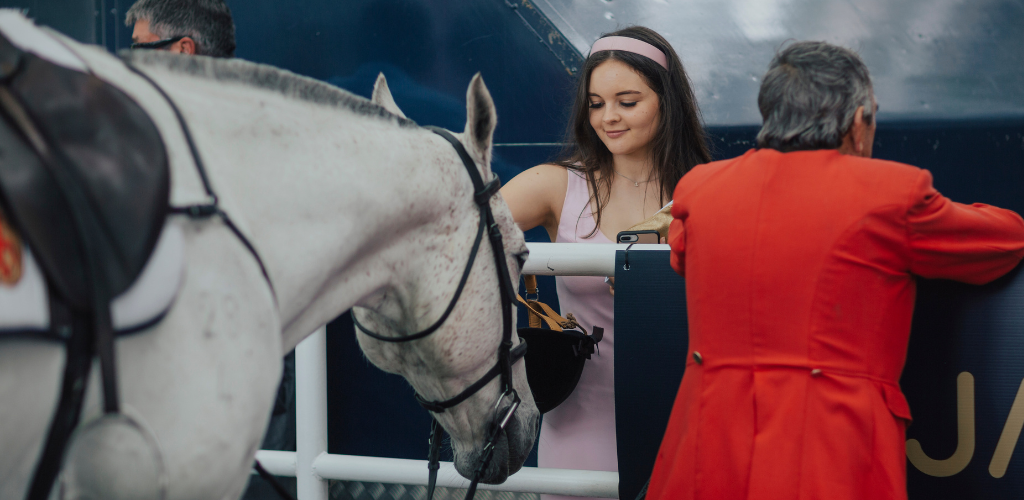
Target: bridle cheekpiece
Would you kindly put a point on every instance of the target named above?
(506, 354)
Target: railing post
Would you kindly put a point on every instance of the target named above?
(310, 413)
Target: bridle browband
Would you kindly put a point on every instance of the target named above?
(506, 354)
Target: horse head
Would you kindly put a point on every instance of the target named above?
(464, 347)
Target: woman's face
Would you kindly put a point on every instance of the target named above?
(623, 109)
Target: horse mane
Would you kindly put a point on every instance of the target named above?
(263, 76)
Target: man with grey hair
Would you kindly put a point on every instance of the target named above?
(800, 260)
(200, 27)
(812, 96)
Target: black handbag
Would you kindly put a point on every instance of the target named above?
(557, 354)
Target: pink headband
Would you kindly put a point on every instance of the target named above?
(633, 45)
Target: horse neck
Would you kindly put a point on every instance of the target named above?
(336, 203)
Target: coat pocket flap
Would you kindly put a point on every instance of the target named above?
(896, 402)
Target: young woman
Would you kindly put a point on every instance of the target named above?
(635, 130)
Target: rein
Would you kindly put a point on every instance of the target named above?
(93, 337)
(506, 354)
(97, 340)
(202, 211)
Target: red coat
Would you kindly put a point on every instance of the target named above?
(799, 284)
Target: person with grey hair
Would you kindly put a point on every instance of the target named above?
(800, 260)
(810, 98)
(199, 27)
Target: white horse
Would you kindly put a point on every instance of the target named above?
(348, 204)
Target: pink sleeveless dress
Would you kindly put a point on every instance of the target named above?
(580, 433)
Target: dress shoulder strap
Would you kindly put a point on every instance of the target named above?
(576, 220)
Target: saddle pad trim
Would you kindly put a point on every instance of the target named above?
(157, 285)
(25, 310)
(25, 306)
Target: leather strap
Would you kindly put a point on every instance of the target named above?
(506, 354)
(530, 281)
(537, 314)
(434, 456)
(99, 334)
(440, 406)
(539, 311)
(80, 345)
(209, 209)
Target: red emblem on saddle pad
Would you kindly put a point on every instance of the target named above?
(10, 254)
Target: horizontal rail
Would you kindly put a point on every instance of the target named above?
(576, 259)
(278, 463)
(586, 483)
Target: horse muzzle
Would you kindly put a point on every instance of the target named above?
(511, 448)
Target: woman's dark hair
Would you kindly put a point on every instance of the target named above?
(678, 143)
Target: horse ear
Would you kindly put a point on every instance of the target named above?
(481, 117)
(382, 96)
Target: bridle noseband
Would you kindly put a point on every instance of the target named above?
(506, 354)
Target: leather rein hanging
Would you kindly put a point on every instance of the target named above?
(506, 354)
(99, 342)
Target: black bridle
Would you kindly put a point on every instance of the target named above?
(506, 354)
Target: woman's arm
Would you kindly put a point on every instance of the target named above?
(536, 197)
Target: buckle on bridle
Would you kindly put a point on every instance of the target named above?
(483, 197)
(503, 421)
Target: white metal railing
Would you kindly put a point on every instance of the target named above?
(413, 472)
(312, 466)
(573, 259)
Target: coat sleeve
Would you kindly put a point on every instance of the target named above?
(971, 243)
(677, 233)
(677, 241)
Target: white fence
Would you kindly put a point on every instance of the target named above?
(312, 466)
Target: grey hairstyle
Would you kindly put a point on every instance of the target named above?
(809, 97)
(207, 22)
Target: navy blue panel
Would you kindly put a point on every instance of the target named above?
(74, 18)
(110, 16)
(428, 49)
(979, 330)
(651, 338)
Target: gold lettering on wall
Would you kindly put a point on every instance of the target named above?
(965, 434)
(1008, 439)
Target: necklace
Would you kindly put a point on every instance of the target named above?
(635, 183)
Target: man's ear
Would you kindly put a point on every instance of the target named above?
(854, 140)
(188, 46)
(859, 130)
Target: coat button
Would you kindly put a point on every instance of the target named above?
(698, 358)
(816, 372)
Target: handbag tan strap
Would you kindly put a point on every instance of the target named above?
(540, 312)
(530, 280)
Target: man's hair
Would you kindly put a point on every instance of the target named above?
(809, 97)
(207, 22)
